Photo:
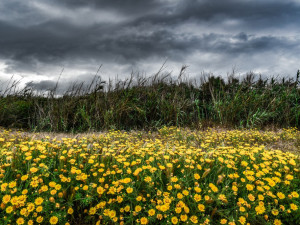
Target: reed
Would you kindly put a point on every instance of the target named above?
(152, 102)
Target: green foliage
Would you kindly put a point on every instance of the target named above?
(149, 103)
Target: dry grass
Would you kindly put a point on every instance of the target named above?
(284, 143)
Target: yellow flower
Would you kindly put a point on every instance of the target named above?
(144, 220)
(23, 211)
(213, 187)
(92, 211)
(183, 218)
(251, 197)
(293, 207)
(244, 163)
(20, 221)
(282, 207)
(138, 208)
(242, 220)
(174, 220)
(33, 170)
(242, 209)
(39, 201)
(30, 207)
(151, 212)
(186, 210)
(178, 210)
(280, 195)
(6, 199)
(179, 195)
(234, 188)
(162, 167)
(9, 209)
(260, 209)
(169, 165)
(148, 179)
(127, 208)
(34, 183)
(44, 188)
(52, 184)
(112, 213)
(261, 197)
(85, 187)
(24, 177)
(129, 190)
(277, 222)
(185, 192)
(295, 194)
(194, 219)
(39, 209)
(223, 221)
(39, 219)
(249, 187)
(275, 212)
(197, 197)
(197, 189)
(201, 207)
(53, 220)
(100, 190)
(222, 198)
(174, 179)
(196, 176)
(164, 208)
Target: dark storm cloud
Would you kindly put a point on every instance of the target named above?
(266, 12)
(127, 6)
(261, 14)
(126, 32)
(41, 44)
(252, 14)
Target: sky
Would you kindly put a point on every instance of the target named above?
(42, 40)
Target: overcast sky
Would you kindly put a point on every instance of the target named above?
(38, 38)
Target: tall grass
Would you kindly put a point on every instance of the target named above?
(147, 103)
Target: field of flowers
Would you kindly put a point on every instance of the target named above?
(172, 176)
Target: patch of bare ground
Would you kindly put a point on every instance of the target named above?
(292, 146)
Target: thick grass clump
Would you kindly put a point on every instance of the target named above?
(150, 103)
(172, 176)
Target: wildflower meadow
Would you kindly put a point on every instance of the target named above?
(171, 176)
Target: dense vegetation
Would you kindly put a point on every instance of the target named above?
(173, 176)
(147, 103)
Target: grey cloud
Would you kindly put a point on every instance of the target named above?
(247, 44)
(61, 85)
(52, 44)
(150, 30)
(129, 6)
(44, 85)
(199, 9)
(252, 15)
